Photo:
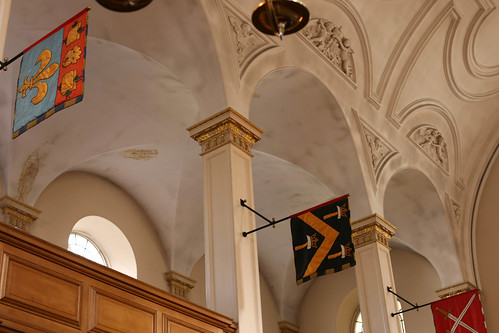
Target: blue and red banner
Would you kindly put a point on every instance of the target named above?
(52, 74)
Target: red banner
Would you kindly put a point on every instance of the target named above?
(459, 314)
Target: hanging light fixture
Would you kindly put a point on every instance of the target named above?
(124, 5)
(280, 17)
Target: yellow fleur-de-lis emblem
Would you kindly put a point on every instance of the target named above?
(43, 73)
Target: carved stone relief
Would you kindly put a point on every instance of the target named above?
(246, 39)
(432, 143)
(28, 175)
(330, 41)
(378, 150)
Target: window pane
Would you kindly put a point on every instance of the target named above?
(83, 246)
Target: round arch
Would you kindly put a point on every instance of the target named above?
(413, 206)
(111, 240)
(485, 227)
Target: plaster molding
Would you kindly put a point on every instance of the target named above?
(450, 77)
(442, 111)
(401, 46)
(247, 42)
(392, 115)
(486, 7)
(328, 41)
(378, 150)
(363, 36)
(430, 141)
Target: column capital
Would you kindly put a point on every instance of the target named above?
(455, 289)
(17, 213)
(287, 327)
(225, 127)
(180, 285)
(372, 229)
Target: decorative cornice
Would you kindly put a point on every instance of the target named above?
(225, 127)
(372, 229)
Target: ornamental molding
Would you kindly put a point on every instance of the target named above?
(287, 327)
(429, 140)
(328, 40)
(378, 150)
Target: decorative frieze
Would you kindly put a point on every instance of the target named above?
(247, 40)
(328, 38)
(372, 229)
(17, 214)
(179, 284)
(225, 127)
(432, 143)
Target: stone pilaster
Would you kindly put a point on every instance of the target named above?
(179, 284)
(17, 213)
(231, 260)
(371, 236)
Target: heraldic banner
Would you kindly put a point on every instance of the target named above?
(51, 75)
(322, 239)
(459, 314)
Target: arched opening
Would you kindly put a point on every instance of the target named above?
(486, 228)
(105, 235)
(413, 206)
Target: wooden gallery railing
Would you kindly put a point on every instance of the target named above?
(44, 288)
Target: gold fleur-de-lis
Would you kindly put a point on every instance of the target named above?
(43, 73)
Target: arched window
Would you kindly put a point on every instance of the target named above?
(82, 244)
(357, 321)
(99, 235)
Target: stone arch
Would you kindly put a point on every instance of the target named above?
(287, 177)
(413, 205)
(485, 227)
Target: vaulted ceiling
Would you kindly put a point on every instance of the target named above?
(405, 119)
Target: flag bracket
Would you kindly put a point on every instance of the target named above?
(272, 222)
(414, 306)
(6, 61)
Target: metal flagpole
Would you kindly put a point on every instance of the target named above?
(414, 306)
(272, 222)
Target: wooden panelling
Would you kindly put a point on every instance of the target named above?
(110, 313)
(44, 288)
(39, 290)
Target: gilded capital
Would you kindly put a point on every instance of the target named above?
(455, 289)
(372, 229)
(180, 285)
(225, 127)
(17, 213)
(287, 327)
